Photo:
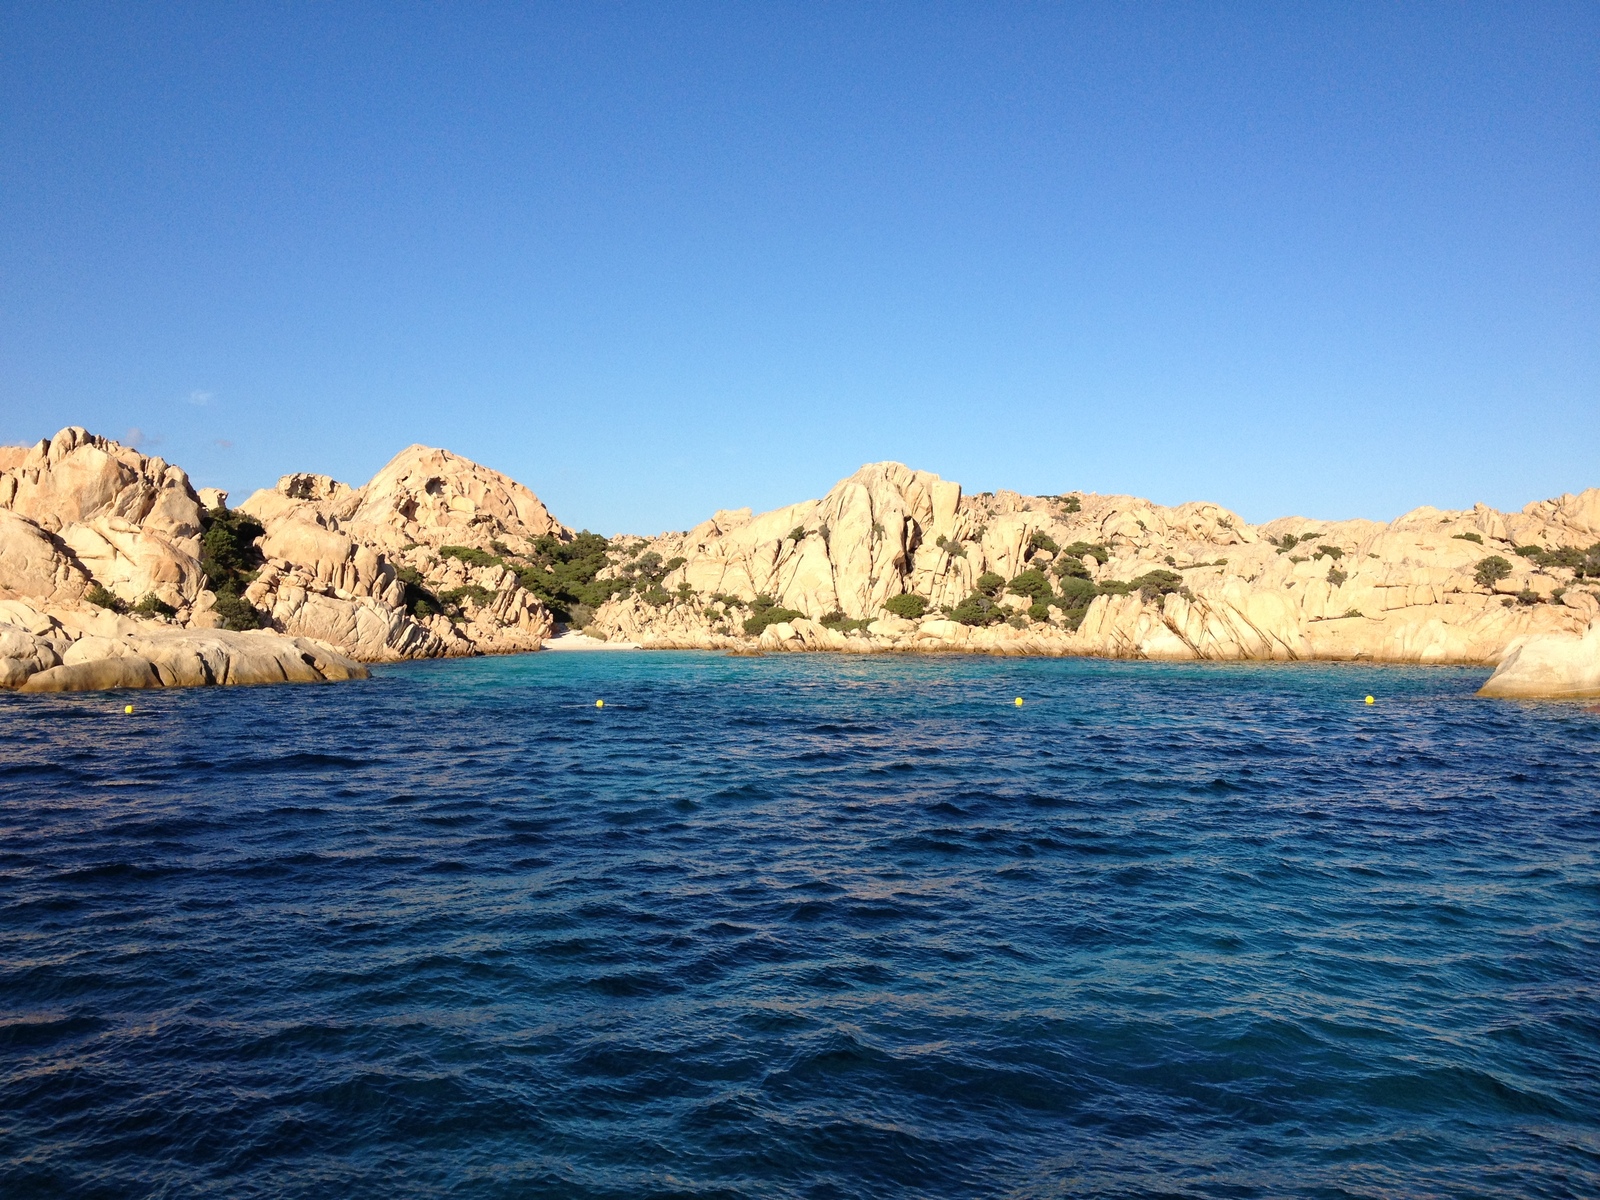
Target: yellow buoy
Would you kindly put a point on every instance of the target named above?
(1370, 700)
(129, 710)
(599, 703)
(1018, 701)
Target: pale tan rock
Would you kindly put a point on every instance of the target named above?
(1550, 666)
(127, 671)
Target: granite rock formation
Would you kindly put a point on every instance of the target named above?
(1193, 581)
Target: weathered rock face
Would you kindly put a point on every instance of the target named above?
(1291, 589)
(78, 510)
(338, 558)
(1551, 666)
(88, 649)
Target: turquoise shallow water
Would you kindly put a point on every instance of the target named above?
(802, 926)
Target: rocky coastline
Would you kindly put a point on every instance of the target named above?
(116, 572)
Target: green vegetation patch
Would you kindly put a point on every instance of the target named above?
(837, 620)
(1491, 570)
(764, 611)
(979, 609)
(230, 559)
(1471, 537)
(908, 606)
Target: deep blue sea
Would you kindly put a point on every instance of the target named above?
(802, 926)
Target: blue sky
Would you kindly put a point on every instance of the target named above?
(655, 260)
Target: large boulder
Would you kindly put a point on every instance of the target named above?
(1551, 666)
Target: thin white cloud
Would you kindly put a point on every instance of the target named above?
(200, 399)
(140, 440)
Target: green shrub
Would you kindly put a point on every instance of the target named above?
(1354, 612)
(979, 609)
(1469, 537)
(1285, 543)
(1491, 570)
(564, 575)
(989, 584)
(237, 613)
(674, 563)
(1094, 550)
(1529, 596)
(764, 611)
(1031, 584)
(837, 620)
(418, 601)
(1336, 577)
(1077, 592)
(797, 534)
(1040, 540)
(953, 549)
(908, 606)
(1332, 552)
(657, 596)
(102, 598)
(230, 559)
(1070, 504)
(1579, 561)
(1039, 610)
(458, 596)
(1157, 583)
(1067, 566)
(473, 558)
(152, 605)
(228, 553)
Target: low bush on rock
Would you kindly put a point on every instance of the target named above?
(1031, 584)
(1094, 550)
(764, 611)
(953, 549)
(1581, 562)
(989, 584)
(1336, 577)
(837, 620)
(418, 601)
(1470, 537)
(458, 597)
(152, 605)
(980, 609)
(1332, 552)
(237, 613)
(1040, 540)
(103, 598)
(1491, 571)
(473, 558)
(908, 606)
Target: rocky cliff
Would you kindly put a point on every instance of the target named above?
(411, 565)
(896, 559)
(102, 584)
(115, 572)
(110, 557)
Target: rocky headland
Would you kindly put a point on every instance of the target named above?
(115, 571)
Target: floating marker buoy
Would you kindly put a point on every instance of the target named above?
(599, 703)
(1370, 700)
(1018, 701)
(129, 710)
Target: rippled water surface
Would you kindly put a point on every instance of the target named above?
(802, 926)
